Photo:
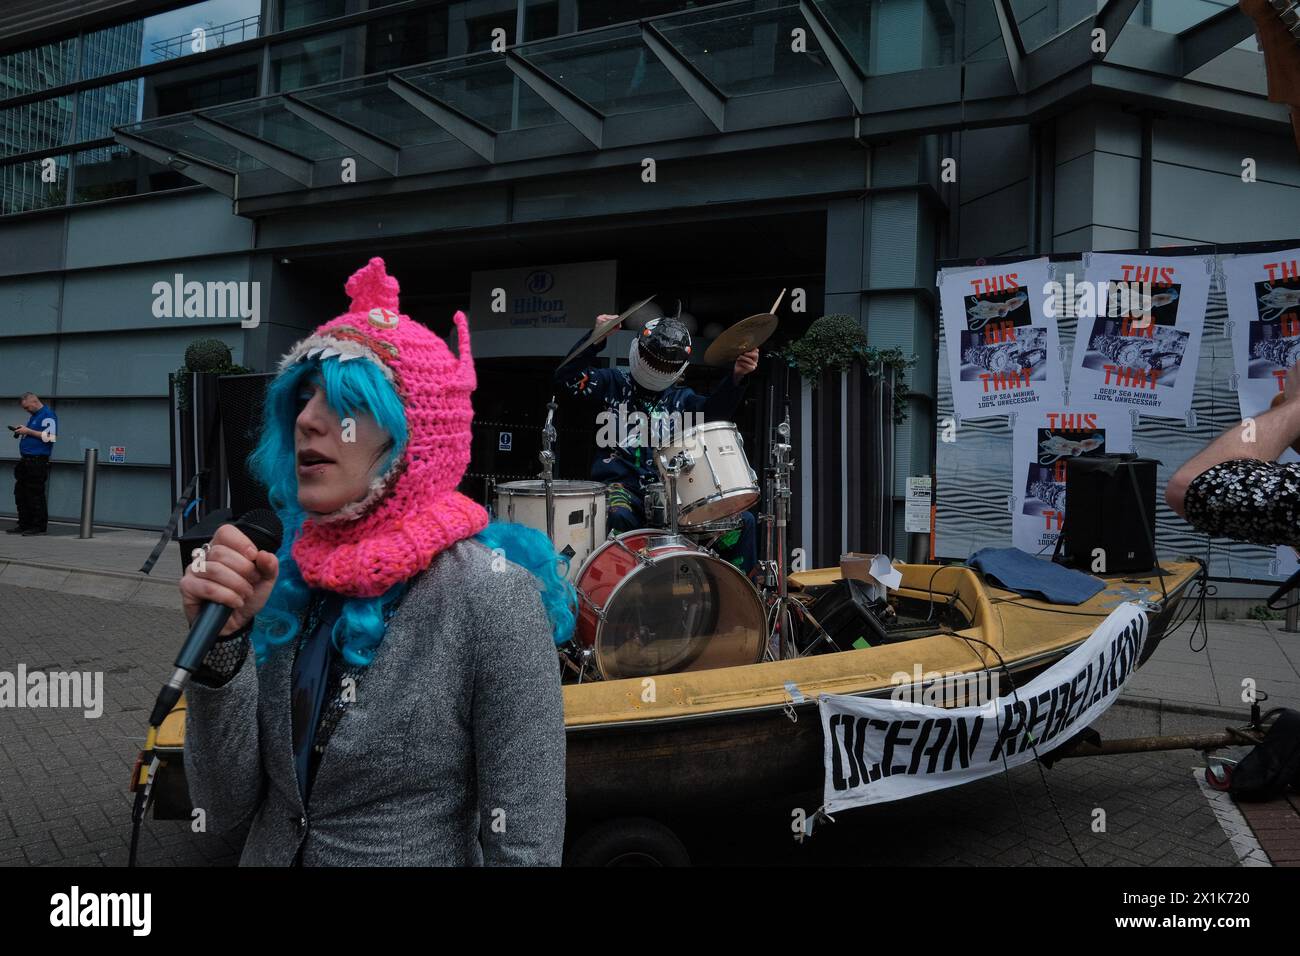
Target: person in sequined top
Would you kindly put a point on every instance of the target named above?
(1236, 488)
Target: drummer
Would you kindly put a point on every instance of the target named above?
(657, 359)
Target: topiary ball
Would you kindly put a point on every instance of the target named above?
(836, 329)
(207, 355)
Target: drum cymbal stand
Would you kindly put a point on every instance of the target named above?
(547, 457)
(784, 609)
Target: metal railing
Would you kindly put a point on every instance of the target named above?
(214, 37)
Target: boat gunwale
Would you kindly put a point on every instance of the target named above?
(990, 630)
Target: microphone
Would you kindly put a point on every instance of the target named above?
(264, 529)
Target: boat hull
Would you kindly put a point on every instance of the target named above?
(724, 737)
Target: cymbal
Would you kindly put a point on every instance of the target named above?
(603, 329)
(748, 333)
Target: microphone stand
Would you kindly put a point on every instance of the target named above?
(547, 457)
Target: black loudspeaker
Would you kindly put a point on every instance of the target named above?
(201, 534)
(240, 399)
(1111, 505)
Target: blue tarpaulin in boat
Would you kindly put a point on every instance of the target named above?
(1023, 573)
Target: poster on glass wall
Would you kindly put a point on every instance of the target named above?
(1139, 335)
(1003, 351)
(1264, 322)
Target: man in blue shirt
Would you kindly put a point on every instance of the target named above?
(35, 444)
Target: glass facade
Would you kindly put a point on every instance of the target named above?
(34, 184)
(37, 125)
(198, 28)
(37, 69)
(55, 100)
(112, 171)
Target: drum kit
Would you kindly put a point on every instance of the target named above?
(658, 599)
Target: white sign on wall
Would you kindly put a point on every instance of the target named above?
(567, 296)
(917, 514)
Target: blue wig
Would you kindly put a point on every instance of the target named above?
(533, 551)
(350, 388)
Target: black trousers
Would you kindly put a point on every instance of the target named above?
(30, 477)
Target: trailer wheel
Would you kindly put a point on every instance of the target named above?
(628, 841)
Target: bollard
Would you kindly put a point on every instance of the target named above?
(88, 494)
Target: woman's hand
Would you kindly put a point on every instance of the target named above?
(604, 318)
(233, 573)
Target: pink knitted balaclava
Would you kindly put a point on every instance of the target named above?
(413, 510)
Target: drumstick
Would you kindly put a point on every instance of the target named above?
(777, 303)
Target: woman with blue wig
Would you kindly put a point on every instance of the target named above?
(402, 703)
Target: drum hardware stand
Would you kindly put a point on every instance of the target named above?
(580, 660)
(547, 458)
(784, 608)
(672, 468)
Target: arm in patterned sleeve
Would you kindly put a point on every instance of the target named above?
(225, 658)
(582, 378)
(1247, 499)
(223, 761)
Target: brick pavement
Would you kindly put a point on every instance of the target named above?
(63, 776)
(63, 797)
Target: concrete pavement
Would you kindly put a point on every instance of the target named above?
(79, 604)
(63, 778)
(104, 566)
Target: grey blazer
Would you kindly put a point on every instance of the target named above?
(452, 754)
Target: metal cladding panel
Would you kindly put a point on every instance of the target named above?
(893, 240)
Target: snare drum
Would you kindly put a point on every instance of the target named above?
(708, 532)
(655, 603)
(716, 481)
(579, 510)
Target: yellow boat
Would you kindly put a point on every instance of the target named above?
(708, 736)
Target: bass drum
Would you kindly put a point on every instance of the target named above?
(579, 508)
(655, 603)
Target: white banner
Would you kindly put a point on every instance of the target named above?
(880, 750)
(1042, 441)
(1139, 336)
(1003, 350)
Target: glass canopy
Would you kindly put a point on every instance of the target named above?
(728, 67)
